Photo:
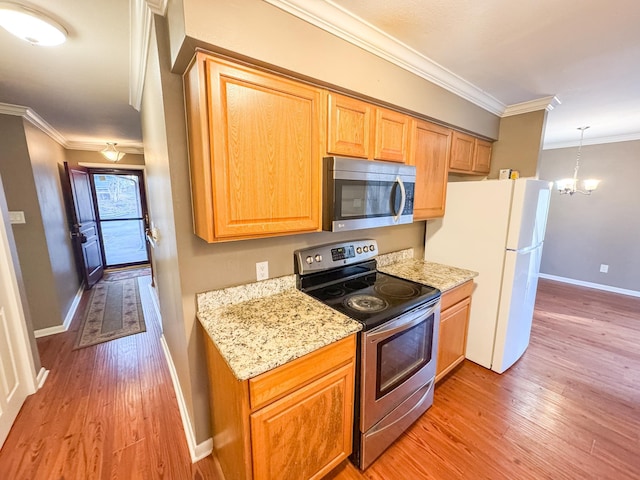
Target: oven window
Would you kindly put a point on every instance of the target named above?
(403, 354)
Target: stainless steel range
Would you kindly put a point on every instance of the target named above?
(396, 359)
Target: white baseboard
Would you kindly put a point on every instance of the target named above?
(41, 377)
(156, 304)
(43, 332)
(597, 286)
(198, 451)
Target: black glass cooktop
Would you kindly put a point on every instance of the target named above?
(368, 296)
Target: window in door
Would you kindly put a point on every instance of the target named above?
(122, 217)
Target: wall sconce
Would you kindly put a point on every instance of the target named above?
(111, 153)
(30, 25)
(570, 185)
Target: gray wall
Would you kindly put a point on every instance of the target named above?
(75, 157)
(604, 228)
(25, 187)
(47, 158)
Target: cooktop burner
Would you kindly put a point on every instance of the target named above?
(366, 303)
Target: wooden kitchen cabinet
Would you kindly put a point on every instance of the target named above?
(430, 155)
(392, 137)
(293, 422)
(350, 126)
(356, 128)
(255, 142)
(469, 154)
(454, 322)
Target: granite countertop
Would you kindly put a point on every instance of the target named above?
(443, 277)
(260, 326)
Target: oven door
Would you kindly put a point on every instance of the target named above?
(398, 358)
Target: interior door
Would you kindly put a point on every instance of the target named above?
(84, 227)
(17, 374)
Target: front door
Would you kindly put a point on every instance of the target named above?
(17, 374)
(84, 227)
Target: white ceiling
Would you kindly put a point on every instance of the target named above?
(585, 52)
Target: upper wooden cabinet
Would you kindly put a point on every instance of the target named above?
(351, 123)
(469, 154)
(255, 151)
(430, 155)
(359, 129)
(392, 136)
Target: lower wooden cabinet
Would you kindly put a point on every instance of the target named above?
(294, 422)
(454, 322)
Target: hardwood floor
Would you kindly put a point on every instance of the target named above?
(569, 409)
(105, 412)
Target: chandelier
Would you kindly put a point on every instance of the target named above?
(570, 185)
(112, 153)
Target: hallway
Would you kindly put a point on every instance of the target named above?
(105, 412)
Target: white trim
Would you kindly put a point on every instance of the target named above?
(351, 28)
(627, 137)
(159, 7)
(156, 303)
(140, 18)
(198, 451)
(40, 123)
(42, 377)
(546, 103)
(45, 332)
(123, 166)
(597, 286)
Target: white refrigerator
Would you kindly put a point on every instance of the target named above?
(495, 227)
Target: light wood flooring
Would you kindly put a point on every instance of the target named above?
(569, 409)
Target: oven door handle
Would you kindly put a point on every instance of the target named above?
(399, 324)
(403, 199)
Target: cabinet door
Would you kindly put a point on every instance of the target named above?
(431, 149)
(453, 337)
(350, 126)
(392, 135)
(265, 152)
(482, 156)
(307, 433)
(462, 147)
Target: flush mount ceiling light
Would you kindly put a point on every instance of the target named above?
(570, 185)
(112, 153)
(31, 25)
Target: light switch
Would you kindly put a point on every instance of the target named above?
(16, 217)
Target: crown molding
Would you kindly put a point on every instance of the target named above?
(40, 123)
(627, 137)
(545, 103)
(98, 146)
(140, 17)
(33, 118)
(345, 25)
(159, 7)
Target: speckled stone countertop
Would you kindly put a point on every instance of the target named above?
(263, 325)
(443, 277)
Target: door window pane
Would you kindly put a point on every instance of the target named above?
(118, 196)
(124, 242)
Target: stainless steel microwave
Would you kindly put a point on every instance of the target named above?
(364, 194)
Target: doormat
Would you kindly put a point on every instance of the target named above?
(117, 275)
(114, 311)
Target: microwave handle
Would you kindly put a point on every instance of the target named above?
(403, 199)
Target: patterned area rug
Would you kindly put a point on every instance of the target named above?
(114, 311)
(117, 275)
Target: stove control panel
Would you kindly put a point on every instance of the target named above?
(326, 257)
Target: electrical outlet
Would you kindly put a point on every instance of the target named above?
(262, 270)
(604, 268)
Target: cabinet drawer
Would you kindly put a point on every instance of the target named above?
(456, 294)
(276, 383)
